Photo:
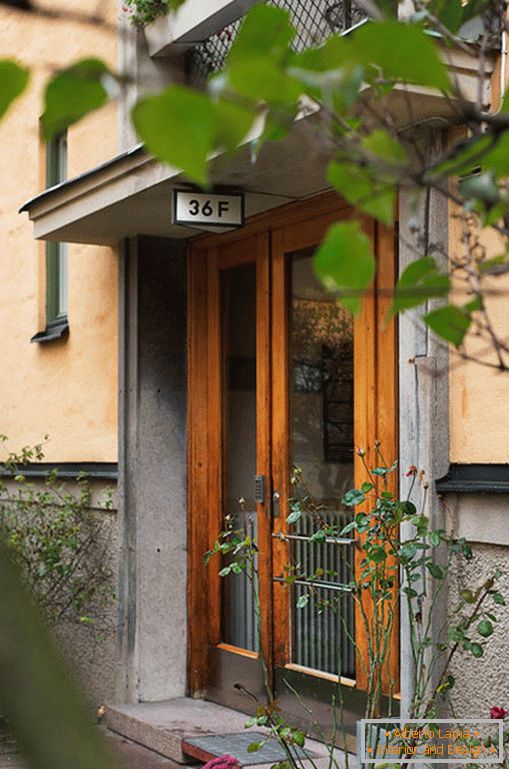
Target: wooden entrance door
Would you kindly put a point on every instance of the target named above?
(283, 385)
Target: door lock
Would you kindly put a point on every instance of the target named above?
(275, 504)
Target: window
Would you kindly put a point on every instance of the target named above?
(56, 253)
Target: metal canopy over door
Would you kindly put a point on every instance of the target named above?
(283, 384)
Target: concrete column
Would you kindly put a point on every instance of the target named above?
(152, 472)
(423, 379)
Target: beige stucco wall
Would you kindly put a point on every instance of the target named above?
(479, 395)
(67, 390)
(481, 683)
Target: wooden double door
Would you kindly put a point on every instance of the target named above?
(284, 384)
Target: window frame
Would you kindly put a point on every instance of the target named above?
(55, 253)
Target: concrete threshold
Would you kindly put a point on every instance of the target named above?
(163, 726)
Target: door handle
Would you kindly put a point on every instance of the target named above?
(276, 497)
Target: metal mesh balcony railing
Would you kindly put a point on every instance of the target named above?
(314, 21)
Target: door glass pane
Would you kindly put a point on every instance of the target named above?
(238, 294)
(322, 449)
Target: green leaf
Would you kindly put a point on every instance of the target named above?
(449, 13)
(253, 747)
(13, 81)
(480, 187)
(353, 497)
(476, 649)
(302, 601)
(225, 571)
(419, 281)
(336, 88)
(72, 94)
(465, 156)
(178, 127)
(259, 79)
(388, 7)
(385, 146)
(493, 265)
(294, 516)
(37, 690)
(450, 323)
(473, 8)
(436, 571)
(497, 159)
(357, 185)
(299, 738)
(485, 628)
(266, 32)
(345, 264)
(347, 529)
(377, 554)
(403, 52)
(335, 54)
(474, 305)
(407, 551)
(232, 124)
(499, 599)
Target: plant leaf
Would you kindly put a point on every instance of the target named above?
(13, 79)
(232, 124)
(450, 323)
(345, 263)
(294, 516)
(385, 146)
(357, 186)
(259, 79)
(72, 94)
(485, 628)
(419, 281)
(403, 52)
(449, 12)
(36, 690)
(436, 571)
(266, 32)
(178, 127)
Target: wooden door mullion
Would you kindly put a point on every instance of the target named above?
(280, 445)
(215, 454)
(263, 444)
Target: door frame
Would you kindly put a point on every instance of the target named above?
(377, 420)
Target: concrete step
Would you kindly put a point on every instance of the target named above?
(131, 755)
(162, 726)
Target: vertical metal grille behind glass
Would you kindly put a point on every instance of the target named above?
(322, 453)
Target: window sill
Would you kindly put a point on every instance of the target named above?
(54, 331)
(474, 479)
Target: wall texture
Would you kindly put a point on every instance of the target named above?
(481, 683)
(479, 406)
(66, 390)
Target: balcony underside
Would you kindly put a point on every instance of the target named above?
(131, 194)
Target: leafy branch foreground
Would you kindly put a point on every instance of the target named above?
(52, 568)
(393, 572)
(347, 88)
(59, 543)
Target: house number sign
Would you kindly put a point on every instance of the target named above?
(208, 209)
